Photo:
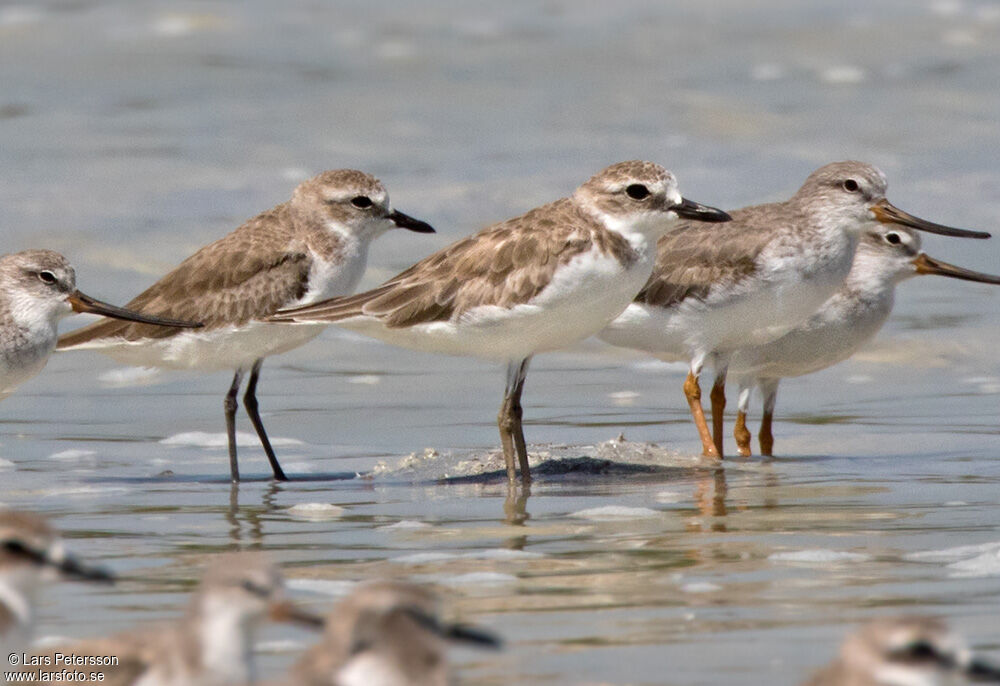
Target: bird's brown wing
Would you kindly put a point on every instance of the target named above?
(245, 275)
(695, 257)
(501, 266)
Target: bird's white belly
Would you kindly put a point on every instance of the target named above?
(233, 347)
(372, 670)
(754, 312)
(24, 361)
(649, 329)
(827, 338)
(224, 348)
(583, 296)
(755, 317)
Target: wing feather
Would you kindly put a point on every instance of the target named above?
(502, 265)
(246, 275)
(697, 257)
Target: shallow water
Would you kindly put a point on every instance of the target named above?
(133, 132)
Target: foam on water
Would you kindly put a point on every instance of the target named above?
(425, 558)
(955, 554)
(609, 512)
(986, 564)
(71, 454)
(406, 525)
(818, 556)
(86, 491)
(336, 588)
(496, 554)
(480, 579)
(129, 377)
(201, 439)
(316, 512)
(670, 497)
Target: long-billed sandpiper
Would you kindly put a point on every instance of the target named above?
(37, 289)
(311, 247)
(531, 284)
(754, 279)
(386, 633)
(905, 651)
(30, 550)
(886, 256)
(213, 643)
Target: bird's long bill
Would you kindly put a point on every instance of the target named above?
(925, 264)
(72, 568)
(57, 559)
(287, 611)
(689, 209)
(472, 634)
(84, 303)
(887, 213)
(405, 221)
(462, 633)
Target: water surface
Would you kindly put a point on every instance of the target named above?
(133, 132)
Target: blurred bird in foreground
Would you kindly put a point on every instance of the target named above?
(905, 651)
(385, 634)
(212, 644)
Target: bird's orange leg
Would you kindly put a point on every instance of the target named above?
(693, 392)
(742, 434)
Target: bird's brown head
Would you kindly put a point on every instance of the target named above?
(641, 197)
(347, 201)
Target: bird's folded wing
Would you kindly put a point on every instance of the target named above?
(241, 277)
(696, 257)
(502, 266)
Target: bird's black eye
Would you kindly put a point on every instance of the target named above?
(893, 238)
(361, 201)
(47, 277)
(637, 191)
(851, 186)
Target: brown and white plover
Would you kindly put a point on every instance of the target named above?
(531, 284)
(212, 644)
(31, 555)
(311, 247)
(386, 633)
(905, 651)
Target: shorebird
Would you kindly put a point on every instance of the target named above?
(37, 289)
(31, 553)
(886, 256)
(754, 279)
(905, 651)
(311, 247)
(527, 285)
(213, 643)
(385, 634)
